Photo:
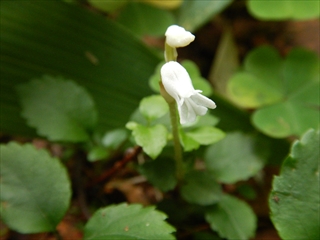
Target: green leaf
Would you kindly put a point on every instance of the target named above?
(35, 189)
(153, 107)
(108, 6)
(205, 135)
(121, 222)
(143, 19)
(284, 9)
(236, 157)
(112, 139)
(98, 153)
(295, 197)
(226, 61)
(232, 218)
(281, 89)
(201, 188)
(108, 61)
(160, 172)
(193, 13)
(59, 109)
(152, 139)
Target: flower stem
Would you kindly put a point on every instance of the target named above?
(176, 141)
(170, 53)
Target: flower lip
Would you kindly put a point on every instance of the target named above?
(177, 36)
(177, 83)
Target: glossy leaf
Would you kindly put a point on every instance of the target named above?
(285, 91)
(193, 13)
(201, 188)
(122, 222)
(61, 39)
(59, 109)
(153, 107)
(295, 197)
(232, 218)
(152, 139)
(284, 9)
(107, 6)
(143, 19)
(35, 189)
(236, 157)
(160, 172)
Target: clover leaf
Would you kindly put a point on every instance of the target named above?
(286, 92)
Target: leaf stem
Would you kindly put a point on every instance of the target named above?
(176, 141)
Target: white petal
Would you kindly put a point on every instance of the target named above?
(177, 36)
(203, 101)
(176, 80)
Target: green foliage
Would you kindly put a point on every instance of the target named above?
(160, 173)
(153, 107)
(232, 218)
(284, 9)
(128, 222)
(35, 189)
(286, 92)
(35, 40)
(193, 13)
(201, 188)
(59, 109)
(295, 197)
(141, 19)
(107, 6)
(236, 157)
(152, 139)
(205, 135)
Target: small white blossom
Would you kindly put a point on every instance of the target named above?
(177, 36)
(178, 85)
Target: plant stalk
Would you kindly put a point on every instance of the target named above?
(176, 141)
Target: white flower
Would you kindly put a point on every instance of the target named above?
(178, 37)
(178, 85)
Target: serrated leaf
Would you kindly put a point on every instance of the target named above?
(281, 89)
(100, 59)
(160, 172)
(35, 189)
(201, 188)
(193, 13)
(141, 19)
(284, 9)
(232, 218)
(59, 109)
(152, 139)
(120, 222)
(236, 157)
(295, 197)
(153, 107)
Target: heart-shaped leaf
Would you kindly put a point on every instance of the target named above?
(285, 91)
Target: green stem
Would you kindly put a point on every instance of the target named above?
(170, 53)
(176, 141)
